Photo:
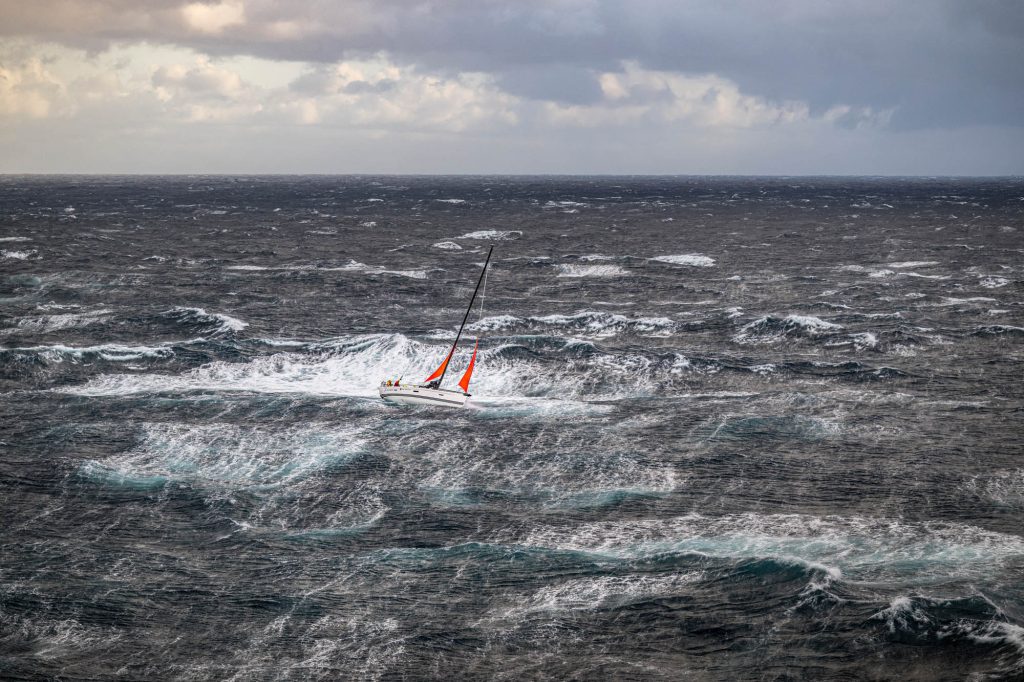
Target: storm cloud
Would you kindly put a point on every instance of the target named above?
(899, 75)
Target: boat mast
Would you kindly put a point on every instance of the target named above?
(466, 316)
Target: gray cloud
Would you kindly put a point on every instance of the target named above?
(937, 64)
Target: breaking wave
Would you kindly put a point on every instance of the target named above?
(214, 324)
(495, 235)
(694, 259)
(591, 271)
(771, 329)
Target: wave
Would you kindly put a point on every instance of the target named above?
(110, 352)
(999, 330)
(52, 323)
(522, 367)
(352, 266)
(851, 548)
(496, 235)
(554, 470)
(534, 366)
(993, 282)
(350, 366)
(913, 264)
(226, 453)
(214, 324)
(921, 619)
(694, 259)
(280, 468)
(770, 329)
(447, 246)
(1001, 488)
(589, 322)
(591, 271)
(595, 593)
(565, 204)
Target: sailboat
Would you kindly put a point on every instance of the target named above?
(430, 391)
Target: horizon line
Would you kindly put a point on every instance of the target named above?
(5, 174)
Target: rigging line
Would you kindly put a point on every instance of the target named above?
(466, 316)
(483, 297)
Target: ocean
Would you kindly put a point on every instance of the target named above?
(722, 428)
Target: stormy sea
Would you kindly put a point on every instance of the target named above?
(721, 428)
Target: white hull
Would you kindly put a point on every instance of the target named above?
(420, 395)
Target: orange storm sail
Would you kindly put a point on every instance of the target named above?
(464, 381)
(439, 372)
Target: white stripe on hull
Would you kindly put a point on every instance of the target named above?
(418, 395)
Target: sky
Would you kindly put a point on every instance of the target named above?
(748, 87)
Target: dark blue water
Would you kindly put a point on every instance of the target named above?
(722, 428)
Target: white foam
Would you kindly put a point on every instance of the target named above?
(356, 266)
(912, 264)
(15, 239)
(51, 323)
(694, 259)
(111, 352)
(920, 276)
(591, 271)
(451, 201)
(494, 323)
(857, 548)
(608, 324)
(227, 453)
(412, 274)
(447, 246)
(993, 282)
(224, 323)
(17, 255)
(595, 323)
(554, 468)
(950, 300)
(769, 329)
(279, 465)
(864, 340)
(351, 366)
(590, 594)
(496, 235)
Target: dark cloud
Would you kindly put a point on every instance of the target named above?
(945, 63)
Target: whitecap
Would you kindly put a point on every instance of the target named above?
(993, 282)
(447, 246)
(913, 264)
(694, 259)
(223, 324)
(769, 328)
(51, 323)
(864, 340)
(496, 235)
(861, 548)
(111, 352)
(591, 271)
